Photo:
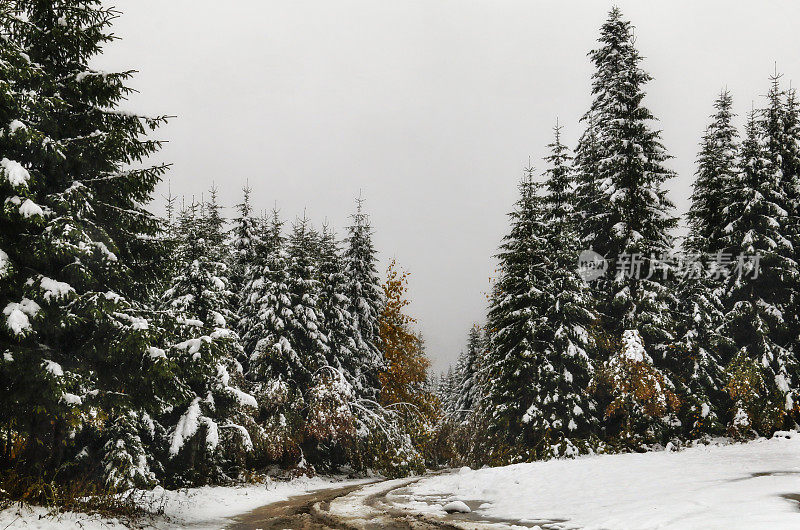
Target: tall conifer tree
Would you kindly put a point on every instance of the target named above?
(81, 256)
(366, 301)
(630, 219)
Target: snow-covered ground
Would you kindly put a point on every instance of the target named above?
(753, 485)
(199, 508)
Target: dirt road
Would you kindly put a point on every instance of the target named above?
(374, 509)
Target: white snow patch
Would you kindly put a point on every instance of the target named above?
(55, 290)
(156, 353)
(71, 399)
(53, 367)
(714, 486)
(15, 173)
(186, 427)
(30, 208)
(456, 507)
(5, 263)
(17, 315)
(206, 508)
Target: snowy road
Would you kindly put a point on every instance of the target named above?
(717, 486)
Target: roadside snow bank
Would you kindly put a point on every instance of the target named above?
(207, 507)
(753, 485)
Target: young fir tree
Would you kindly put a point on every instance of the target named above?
(366, 302)
(211, 428)
(338, 324)
(469, 393)
(532, 393)
(275, 367)
(305, 327)
(566, 410)
(630, 219)
(244, 243)
(80, 255)
(761, 375)
(700, 341)
(587, 197)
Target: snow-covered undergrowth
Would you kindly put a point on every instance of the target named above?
(752, 485)
(207, 507)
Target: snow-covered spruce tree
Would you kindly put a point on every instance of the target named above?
(338, 325)
(642, 395)
(537, 365)
(756, 291)
(469, 393)
(565, 411)
(366, 301)
(80, 254)
(631, 216)
(275, 366)
(244, 244)
(587, 197)
(701, 343)
(514, 316)
(210, 429)
(717, 171)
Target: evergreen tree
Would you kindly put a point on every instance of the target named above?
(275, 366)
(211, 432)
(587, 197)
(537, 366)
(366, 302)
(469, 396)
(304, 328)
(629, 220)
(560, 187)
(245, 243)
(338, 324)
(701, 312)
(81, 256)
(756, 293)
(717, 169)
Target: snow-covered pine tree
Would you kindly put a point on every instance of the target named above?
(81, 256)
(305, 328)
(587, 197)
(210, 429)
(717, 170)
(469, 393)
(566, 413)
(338, 324)
(275, 366)
(631, 217)
(515, 318)
(244, 243)
(700, 343)
(755, 292)
(366, 302)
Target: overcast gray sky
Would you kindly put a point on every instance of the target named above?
(430, 107)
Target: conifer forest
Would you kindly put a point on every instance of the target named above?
(165, 344)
